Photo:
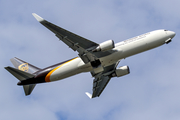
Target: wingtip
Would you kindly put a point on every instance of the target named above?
(6, 67)
(38, 18)
(89, 95)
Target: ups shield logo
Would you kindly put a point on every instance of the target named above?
(24, 67)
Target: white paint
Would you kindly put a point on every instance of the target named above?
(38, 18)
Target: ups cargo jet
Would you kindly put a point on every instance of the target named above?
(100, 60)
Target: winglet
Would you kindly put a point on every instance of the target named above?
(89, 95)
(38, 18)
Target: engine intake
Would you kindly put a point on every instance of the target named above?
(107, 45)
(121, 71)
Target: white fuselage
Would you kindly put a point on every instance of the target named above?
(123, 50)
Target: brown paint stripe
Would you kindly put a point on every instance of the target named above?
(47, 78)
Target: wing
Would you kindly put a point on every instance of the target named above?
(99, 84)
(75, 42)
(101, 80)
(69, 38)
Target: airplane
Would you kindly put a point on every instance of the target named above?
(101, 60)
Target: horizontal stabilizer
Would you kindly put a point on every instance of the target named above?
(20, 75)
(89, 95)
(28, 89)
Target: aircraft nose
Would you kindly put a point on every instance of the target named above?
(171, 34)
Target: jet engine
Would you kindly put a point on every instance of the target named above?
(121, 71)
(107, 45)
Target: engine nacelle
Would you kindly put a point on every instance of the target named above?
(107, 45)
(121, 71)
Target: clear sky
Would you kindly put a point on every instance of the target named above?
(150, 92)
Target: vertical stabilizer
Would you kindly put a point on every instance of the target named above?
(28, 89)
(24, 66)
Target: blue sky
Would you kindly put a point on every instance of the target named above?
(150, 91)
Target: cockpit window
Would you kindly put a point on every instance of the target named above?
(165, 30)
